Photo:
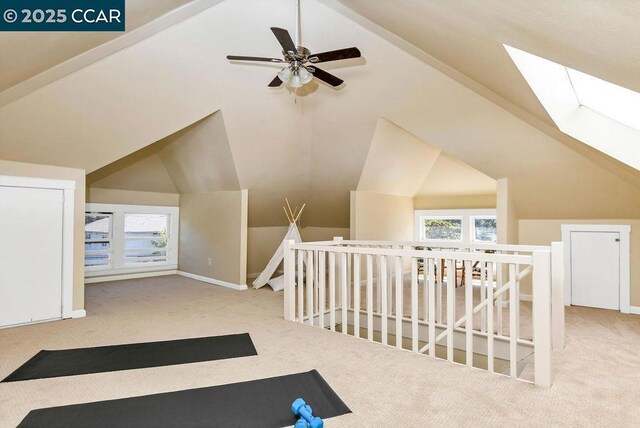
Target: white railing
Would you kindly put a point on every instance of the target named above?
(399, 291)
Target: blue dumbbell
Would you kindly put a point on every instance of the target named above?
(301, 423)
(302, 409)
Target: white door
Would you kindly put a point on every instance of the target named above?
(30, 255)
(595, 269)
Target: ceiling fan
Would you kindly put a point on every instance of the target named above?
(301, 68)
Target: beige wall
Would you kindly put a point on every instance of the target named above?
(375, 216)
(442, 202)
(506, 213)
(213, 225)
(543, 232)
(77, 175)
(131, 197)
(263, 242)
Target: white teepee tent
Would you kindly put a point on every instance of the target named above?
(278, 256)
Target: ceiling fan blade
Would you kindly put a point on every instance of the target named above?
(326, 77)
(335, 55)
(285, 39)
(252, 58)
(275, 82)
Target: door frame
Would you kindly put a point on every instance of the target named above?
(624, 230)
(68, 190)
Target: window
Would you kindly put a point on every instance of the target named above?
(98, 238)
(601, 114)
(127, 239)
(146, 238)
(442, 228)
(485, 229)
(463, 226)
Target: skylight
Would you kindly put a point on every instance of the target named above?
(616, 102)
(598, 113)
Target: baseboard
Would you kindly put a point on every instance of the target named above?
(526, 298)
(213, 281)
(634, 310)
(106, 278)
(81, 313)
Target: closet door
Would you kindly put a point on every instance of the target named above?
(30, 255)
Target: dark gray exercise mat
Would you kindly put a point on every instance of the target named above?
(69, 362)
(260, 403)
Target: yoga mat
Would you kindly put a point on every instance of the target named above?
(69, 362)
(260, 403)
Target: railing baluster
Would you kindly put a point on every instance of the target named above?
(399, 302)
(316, 283)
(310, 286)
(300, 286)
(343, 287)
(356, 295)
(451, 291)
(440, 268)
(483, 295)
(379, 286)
(332, 290)
(517, 292)
(384, 311)
(468, 285)
(321, 287)
(414, 304)
(499, 300)
(349, 272)
(432, 311)
(490, 306)
(389, 288)
(513, 339)
(425, 291)
(370, 297)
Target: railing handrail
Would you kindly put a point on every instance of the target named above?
(439, 244)
(430, 254)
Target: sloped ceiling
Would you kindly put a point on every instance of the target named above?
(451, 177)
(147, 175)
(33, 53)
(309, 147)
(397, 162)
(598, 37)
(195, 159)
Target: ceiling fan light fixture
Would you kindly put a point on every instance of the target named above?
(296, 80)
(285, 75)
(305, 76)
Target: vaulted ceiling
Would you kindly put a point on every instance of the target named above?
(599, 37)
(312, 146)
(33, 53)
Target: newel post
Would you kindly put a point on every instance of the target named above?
(289, 280)
(557, 295)
(542, 317)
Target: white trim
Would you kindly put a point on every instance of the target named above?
(526, 298)
(104, 50)
(33, 182)
(213, 281)
(634, 310)
(107, 278)
(68, 207)
(625, 283)
(79, 314)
